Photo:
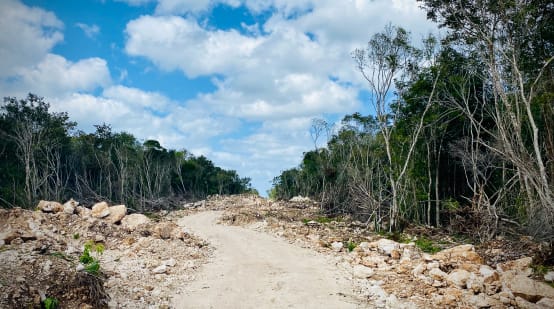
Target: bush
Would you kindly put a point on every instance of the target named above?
(91, 263)
(51, 303)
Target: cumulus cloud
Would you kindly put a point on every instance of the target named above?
(54, 75)
(27, 35)
(173, 42)
(297, 68)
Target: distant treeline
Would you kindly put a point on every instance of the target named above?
(462, 128)
(42, 157)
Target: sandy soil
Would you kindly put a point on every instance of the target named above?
(250, 269)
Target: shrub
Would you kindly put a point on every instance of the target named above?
(91, 263)
(51, 303)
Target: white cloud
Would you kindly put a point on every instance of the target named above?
(27, 35)
(173, 42)
(55, 75)
(180, 7)
(90, 31)
(299, 67)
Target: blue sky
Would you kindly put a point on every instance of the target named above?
(236, 80)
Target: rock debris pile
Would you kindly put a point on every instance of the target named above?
(147, 259)
(390, 274)
(144, 258)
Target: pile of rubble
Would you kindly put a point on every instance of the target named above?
(144, 261)
(389, 274)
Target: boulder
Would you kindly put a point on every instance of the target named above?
(116, 213)
(458, 255)
(362, 272)
(50, 207)
(458, 277)
(133, 221)
(528, 289)
(386, 246)
(519, 266)
(100, 210)
(69, 206)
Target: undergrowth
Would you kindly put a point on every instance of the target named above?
(91, 263)
(427, 245)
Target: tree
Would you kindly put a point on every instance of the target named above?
(387, 60)
(515, 41)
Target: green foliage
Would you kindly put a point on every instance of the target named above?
(539, 269)
(426, 245)
(104, 163)
(51, 303)
(91, 263)
(351, 246)
(93, 267)
(76, 236)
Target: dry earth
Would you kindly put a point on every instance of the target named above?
(254, 270)
(259, 255)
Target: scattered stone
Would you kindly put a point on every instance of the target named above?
(458, 277)
(80, 267)
(100, 210)
(386, 246)
(116, 213)
(459, 255)
(362, 272)
(171, 262)
(69, 206)
(437, 274)
(133, 221)
(162, 269)
(300, 199)
(549, 276)
(337, 246)
(49, 206)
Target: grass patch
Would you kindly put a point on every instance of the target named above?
(539, 269)
(427, 245)
(76, 236)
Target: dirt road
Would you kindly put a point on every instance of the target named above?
(254, 270)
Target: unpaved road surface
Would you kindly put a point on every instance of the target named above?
(250, 269)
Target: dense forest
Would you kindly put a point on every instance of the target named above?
(42, 156)
(461, 132)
